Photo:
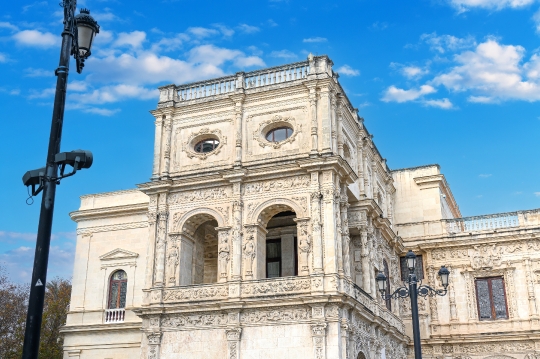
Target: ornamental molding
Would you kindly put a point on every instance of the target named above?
(112, 227)
(280, 106)
(275, 122)
(195, 137)
(275, 315)
(288, 183)
(118, 254)
(175, 321)
(196, 294)
(289, 286)
(204, 120)
(181, 198)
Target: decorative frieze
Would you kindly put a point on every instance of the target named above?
(199, 195)
(175, 321)
(277, 184)
(211, 292)
(271, 287)
(275, 315)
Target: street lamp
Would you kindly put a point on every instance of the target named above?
(77, 38)
(413, 292)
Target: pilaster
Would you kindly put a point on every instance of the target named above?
(233, 342)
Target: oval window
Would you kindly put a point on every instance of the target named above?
(279, 134)
(207, 145)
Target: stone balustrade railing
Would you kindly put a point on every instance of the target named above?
(115, 315)
(275, 75)
(476, 224)
(482, 223)
(273, 288)
(229, 84)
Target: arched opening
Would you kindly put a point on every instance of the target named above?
(347, 154)
(117, 290)
(281, 245)
(361, 356)
(198, 250)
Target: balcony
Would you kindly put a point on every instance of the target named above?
(466, 225)
(115, 315)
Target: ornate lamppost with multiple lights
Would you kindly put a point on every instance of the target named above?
(413, 291)
(77, 38)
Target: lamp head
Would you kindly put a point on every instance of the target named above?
(444, 273)
(87, 28)
(33, 177)
(411, 260)
(381, 282)
(77, 158)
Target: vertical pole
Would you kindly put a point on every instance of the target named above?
(413, 294)
(39, 275)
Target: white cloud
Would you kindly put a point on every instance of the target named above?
(114, 93)
(413, 71)
(315, 39)
(537, 194)
(202, 32)
(347, 70)
(9, 26)
(442, 103)
(464, 5)
(133, 39)
(494, 71)
(101, 111)
(485, 175)
(480, 99)
(3, 57)
(394, 94)
(283, 54)
(36, 38)
(226, 31)
(444, 43)
(44, 93)
(536, 19)
(248, 29)
(31, 72)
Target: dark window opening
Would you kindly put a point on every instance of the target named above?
(206, 145)
(491, 298)
(279, 134)
(273, 258)
(118, 290)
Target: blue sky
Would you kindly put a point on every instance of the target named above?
(454, 82)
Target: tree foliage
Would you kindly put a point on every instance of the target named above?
(13, 308)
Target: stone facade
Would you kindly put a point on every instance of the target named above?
(197, 242)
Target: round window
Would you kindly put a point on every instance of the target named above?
(207, 145)
(279, 134)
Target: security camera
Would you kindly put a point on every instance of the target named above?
(34, 178)
(78, 159)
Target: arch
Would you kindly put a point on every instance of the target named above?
(266, 210)
(197, 217)
(361, 355)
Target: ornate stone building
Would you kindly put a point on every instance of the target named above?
(268, 215)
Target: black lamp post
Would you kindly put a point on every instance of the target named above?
(77, 37)
(413, 291)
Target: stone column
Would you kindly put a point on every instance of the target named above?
(366, 267)
(433, 300)
(154, 345)
(224, 252)
(173, 258)
(339, 110)
(233, 341)
(361, 171)
(316, 232)
(345, 339)
(339, 230)
(157, 149)
(318, 332)
(186, 248)
(239, 111)
(304, 245)
(313, 117)
(451, 295)
(333, 117)
(236, 258)
(533, 310)
(326, 120)
(254, 252)
(345, 236)
(167, 146)
(161, 243)
(330, 218)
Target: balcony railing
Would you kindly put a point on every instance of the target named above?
(483, 223)
(228, 84)
(115, 315)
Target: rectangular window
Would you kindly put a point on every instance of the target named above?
(491, 298)
(419, 270)
(273, 258)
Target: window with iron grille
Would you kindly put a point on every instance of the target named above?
(491, 298)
